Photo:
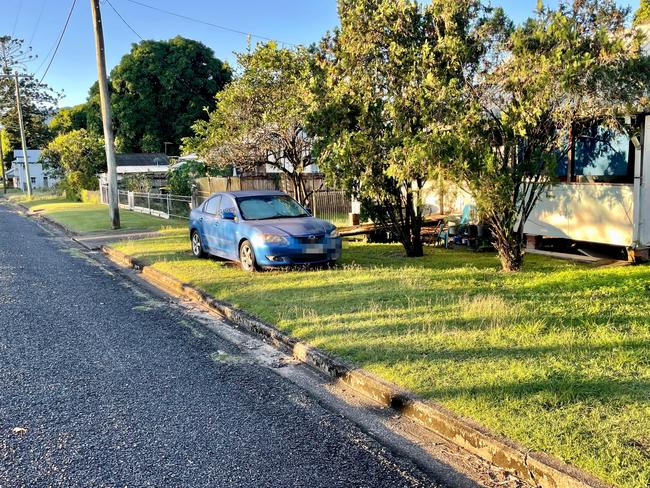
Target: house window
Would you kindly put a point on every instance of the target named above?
(33, 180)
(45, 182)
(602, 154)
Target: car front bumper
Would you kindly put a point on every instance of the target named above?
(299, 253)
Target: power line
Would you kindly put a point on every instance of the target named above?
(216, 26)
(56, 49)
(122, 18)
(38, 21)
(20, 7)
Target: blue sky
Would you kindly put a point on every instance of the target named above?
(39, 22)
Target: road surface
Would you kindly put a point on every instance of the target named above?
(103, 384)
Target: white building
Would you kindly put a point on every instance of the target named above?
(40, 178)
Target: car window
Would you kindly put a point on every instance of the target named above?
(264, 207)
(227, 205)
(212, 205)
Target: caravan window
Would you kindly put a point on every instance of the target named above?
(602, 153)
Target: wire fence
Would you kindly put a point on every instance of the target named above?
(332, 205)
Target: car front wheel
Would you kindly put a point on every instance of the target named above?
(247, 257)
(197, 246)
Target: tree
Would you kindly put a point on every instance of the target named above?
(261, 116)
(37, 99)
(77, 157)
(160, 89)
(69, 119)
(642, 15)
(7, 144)
(534, 85)
(385, 98)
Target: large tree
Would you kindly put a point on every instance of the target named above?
(37, 99)
(261, 116)
(386, 95)
(160, 89)
(534, 86)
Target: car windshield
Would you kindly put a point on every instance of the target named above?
(264, 207)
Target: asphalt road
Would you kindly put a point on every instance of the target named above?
(102, 384)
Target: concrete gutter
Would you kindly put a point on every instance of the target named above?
(536, 468)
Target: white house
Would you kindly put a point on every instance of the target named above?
(40, 178)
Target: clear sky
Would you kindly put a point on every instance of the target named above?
(73, 70)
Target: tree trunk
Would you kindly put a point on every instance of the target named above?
(413, 247)
(510, 248)
(412, 231)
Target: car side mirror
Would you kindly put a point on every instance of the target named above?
(228, 215)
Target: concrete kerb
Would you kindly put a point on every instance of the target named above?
(534, 467)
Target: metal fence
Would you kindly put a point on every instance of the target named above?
(160, 205)
(332, 205)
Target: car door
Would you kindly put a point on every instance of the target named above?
(227, 231)
(210, 224)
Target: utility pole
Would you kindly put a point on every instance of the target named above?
(23, 139)
(2, 160)
(113, 208)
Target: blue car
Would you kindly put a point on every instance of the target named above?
(262, 229)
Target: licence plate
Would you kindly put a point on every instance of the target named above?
(314, 249)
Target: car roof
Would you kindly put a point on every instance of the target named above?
(249, 193)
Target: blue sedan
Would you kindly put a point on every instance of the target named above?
(262, 229)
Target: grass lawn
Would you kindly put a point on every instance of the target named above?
(556, 357)
(87, 217)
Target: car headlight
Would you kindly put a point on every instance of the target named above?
(334, 233)
(272, 239)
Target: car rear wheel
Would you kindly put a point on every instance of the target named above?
(247, 257)
(197, 246)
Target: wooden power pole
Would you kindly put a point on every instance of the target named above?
(23, 139)
(2, 161)
(113, 207)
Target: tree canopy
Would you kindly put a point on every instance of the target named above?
(77, 157)
(37, 99)
(534, 84)
(160, 89)
(642, 15)
(69, 119)
(260, 118)
(386, 92)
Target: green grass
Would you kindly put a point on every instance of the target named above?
(556, 357)
(87, 217)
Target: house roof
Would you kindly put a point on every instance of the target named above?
(141, 159)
